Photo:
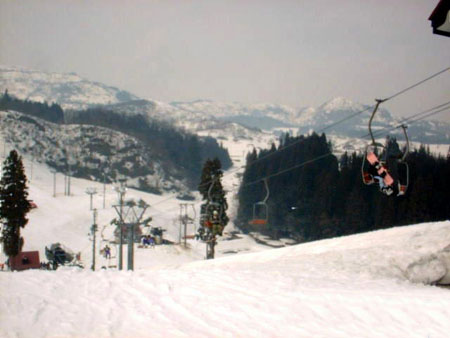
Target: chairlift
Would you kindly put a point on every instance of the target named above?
(260, 209)
(375, 167)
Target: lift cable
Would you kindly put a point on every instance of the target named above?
(323, 155)
(331, 153)
(327, 127)
(359, 112)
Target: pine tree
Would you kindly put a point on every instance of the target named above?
(14, 204)
(213, 216)
(212, 175)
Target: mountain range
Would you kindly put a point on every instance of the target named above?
(236, 120)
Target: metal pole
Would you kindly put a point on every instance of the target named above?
(130, 227)
(136, 221)
(104, 190)
(185, 235)
(91, 192)
(371, 118)
(68, 182)
(121, 193)
(185, 225)
(132, 246)
(54, 184)
(94, 230)
(181, 222)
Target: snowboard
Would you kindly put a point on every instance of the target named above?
(381, 170)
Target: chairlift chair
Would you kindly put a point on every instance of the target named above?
(372, 148)
(260, 209)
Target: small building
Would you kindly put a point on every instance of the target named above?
(440, 18)
(25, 260)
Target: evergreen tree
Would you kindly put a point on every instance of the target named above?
(213, 216)
(211, 186)
(14, 204)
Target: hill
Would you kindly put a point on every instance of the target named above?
(68, 90)
(88, 143)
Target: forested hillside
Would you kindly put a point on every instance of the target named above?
(176, 151)
(183, 150)
(323, 198)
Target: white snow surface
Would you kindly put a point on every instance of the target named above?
(374, 284)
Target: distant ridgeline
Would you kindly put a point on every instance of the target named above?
(326, 198)
(177, 151)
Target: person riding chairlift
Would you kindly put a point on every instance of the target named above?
(391, 168)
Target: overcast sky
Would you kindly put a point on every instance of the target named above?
(299, 53)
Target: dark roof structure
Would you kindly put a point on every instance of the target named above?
(440, 18)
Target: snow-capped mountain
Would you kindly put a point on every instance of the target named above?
(338, 117)
(68, 90)
(344, 118)
(264, 115)
(338, 109)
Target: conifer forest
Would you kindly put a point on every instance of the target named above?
(326, 197)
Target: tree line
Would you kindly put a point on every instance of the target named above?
(52, 113)
(327, 198)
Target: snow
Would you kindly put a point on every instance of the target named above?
(374, 284)
(74, 92)
(69, 90)
(343, 144)
(340, 103)
(377, 284)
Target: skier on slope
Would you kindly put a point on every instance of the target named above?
(107, 252)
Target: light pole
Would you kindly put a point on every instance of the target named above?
(91, 192)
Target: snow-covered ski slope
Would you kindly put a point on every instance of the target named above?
(347, 287)
(67, 219)
(367, 285)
